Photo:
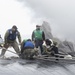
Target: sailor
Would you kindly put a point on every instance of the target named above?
(54, 48)
(38, 37)
(27, 49)
(10, 40)
(50, 47)
(47, 46)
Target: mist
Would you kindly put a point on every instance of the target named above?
(59, 13)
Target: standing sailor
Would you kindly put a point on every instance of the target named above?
(38, 37)
(10, 40)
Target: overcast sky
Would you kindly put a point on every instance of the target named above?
(27, 13)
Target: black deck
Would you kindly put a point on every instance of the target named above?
(34, 67)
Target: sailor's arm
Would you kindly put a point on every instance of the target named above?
(33, 37)
(43, 35)
(19, 37)
(5, 37)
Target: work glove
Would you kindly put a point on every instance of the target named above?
(44, 44)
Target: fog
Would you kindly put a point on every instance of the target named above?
(27, 13)
(59, 13)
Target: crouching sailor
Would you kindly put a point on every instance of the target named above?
(27, 49)
(54, 48)
(50, 47)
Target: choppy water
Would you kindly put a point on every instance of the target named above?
(28, 67)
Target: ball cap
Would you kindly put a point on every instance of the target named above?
(14, 26)
(38, 26)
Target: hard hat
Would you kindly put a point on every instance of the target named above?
(51, 41)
